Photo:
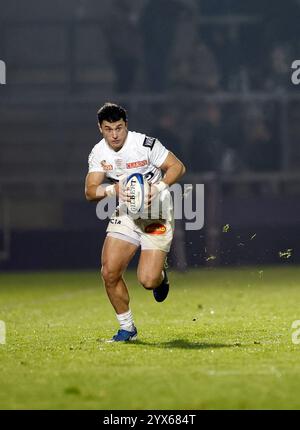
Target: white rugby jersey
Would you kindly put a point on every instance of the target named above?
(139, 154)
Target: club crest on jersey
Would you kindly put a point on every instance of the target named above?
(155, 228)
(149, 142)
(106, 166)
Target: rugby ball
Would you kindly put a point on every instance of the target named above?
(137, 189)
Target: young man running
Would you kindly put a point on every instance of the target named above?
(122, 152)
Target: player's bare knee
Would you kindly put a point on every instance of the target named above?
(149, 283)
(110, 276)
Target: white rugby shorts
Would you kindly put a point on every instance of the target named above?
(147, 233)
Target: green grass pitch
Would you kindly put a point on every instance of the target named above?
(222, 340)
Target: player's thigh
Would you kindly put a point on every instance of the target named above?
(151, 264)
(116, 254)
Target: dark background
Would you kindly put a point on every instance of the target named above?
(210, 79)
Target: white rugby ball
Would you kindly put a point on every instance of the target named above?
(137, 190)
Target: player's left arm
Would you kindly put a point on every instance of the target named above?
(173, 170)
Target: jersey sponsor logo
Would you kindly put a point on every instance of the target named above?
(149, 142)
(136, 164)
(155, 228)
(106, 166)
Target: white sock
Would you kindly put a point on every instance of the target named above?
(126, 320)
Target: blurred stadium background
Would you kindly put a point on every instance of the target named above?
(210, 79)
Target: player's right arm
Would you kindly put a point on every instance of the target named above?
(94, 191)
(93, 188)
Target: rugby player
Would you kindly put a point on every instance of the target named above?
(123, 152)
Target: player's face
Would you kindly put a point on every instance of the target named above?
(114, 133)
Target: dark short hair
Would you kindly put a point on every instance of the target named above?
(111, 112)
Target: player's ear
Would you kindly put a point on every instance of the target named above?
(100, 128)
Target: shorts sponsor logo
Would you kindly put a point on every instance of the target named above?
(106, 166)
(155, 228)
(136, 164)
